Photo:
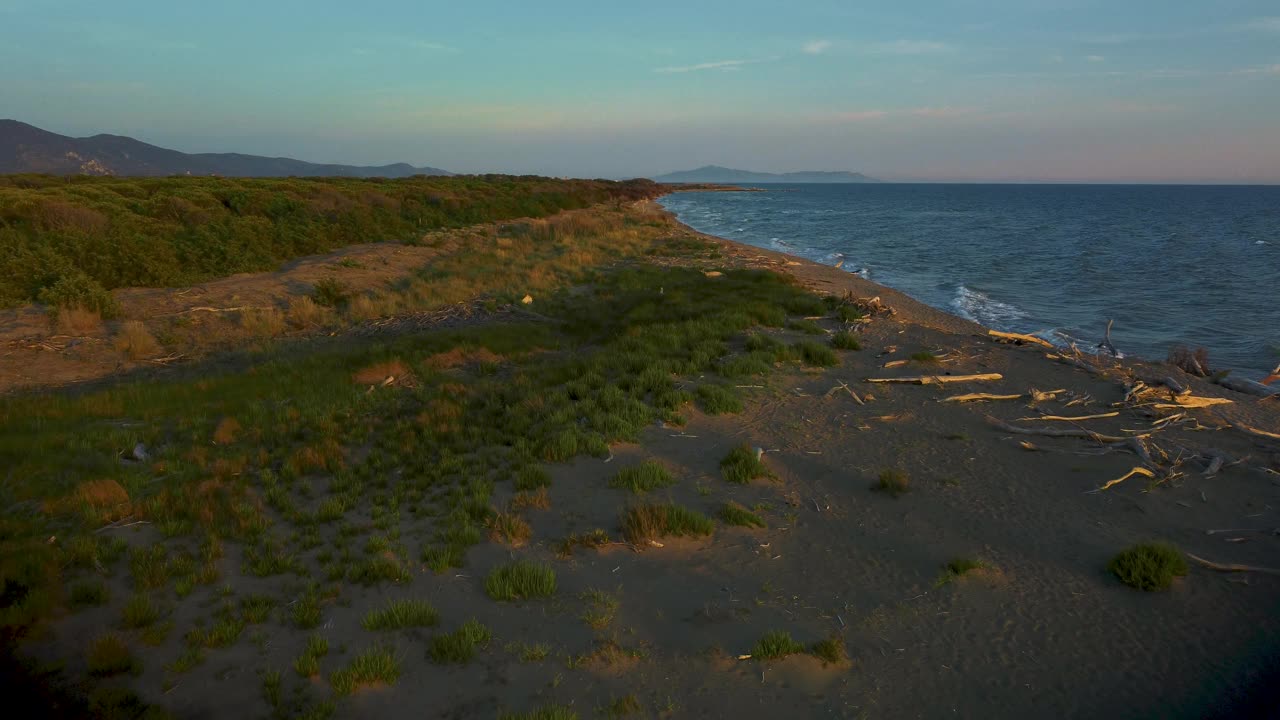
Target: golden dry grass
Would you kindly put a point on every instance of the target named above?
(304, 313)
(458, 357)
(227, 431)
(136, 341)
(263, 322)
(78, 321)
(378, 373)
(99, 501)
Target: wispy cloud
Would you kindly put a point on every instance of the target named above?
(816, 47)
(1263, 24)
(434, 46)
(939, 112)
(1259, 70)
(908, 47)
(1095, 58)
(722, 65)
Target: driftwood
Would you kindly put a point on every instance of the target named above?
(205, 308)
(1136, 471)
(845, 386)
(1019, 337)
(1273, 531)
(937, 379)
(1249, 429)
(1231, 567)
(1191, 401)
(1072, 419)
(1074, 433)
(976, 397)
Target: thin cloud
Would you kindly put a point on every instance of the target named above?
(1263, 24)
(941, 112)
(722, 65)
(434, 46)
(816, 47)
(908, 47)
(1095, 58)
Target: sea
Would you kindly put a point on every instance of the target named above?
(1170, 264)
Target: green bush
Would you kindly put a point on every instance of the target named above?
(742, 465)
(1149, 566)
(718, 399)
(648, 475)
(521, 580)
(816, 354)
(330, 293)
(845, 341)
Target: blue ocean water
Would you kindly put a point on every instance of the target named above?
(1198, 265)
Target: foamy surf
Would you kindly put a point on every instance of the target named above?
(981, 308)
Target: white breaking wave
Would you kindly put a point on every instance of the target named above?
(981, 308)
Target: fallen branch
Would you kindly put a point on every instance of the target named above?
(937, 379)
(1191, 401)
(1136, 471)
(205, 308)
(976, 397)
(1231, 567)
(1060, 433)
(1273, 531)
(1019, 337)
(1106, 341)
(1249, 429)
(1249, 387)
(1072, 419)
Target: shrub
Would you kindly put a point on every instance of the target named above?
(330, 293)
(845, 341)
(735, 514)
(743, 465)
(849, 313)
(1149, 566)
(718, 399)
(77, 320)
(893, 482)
(776, 644)
(521, 580)
(304, 313)
(830, 650)
(925, 357)
(78, 290)
(460, 645)
(532, 477)
(648, 475)
(807, 327)
(510, 528)
(135, 341)
(646, 522)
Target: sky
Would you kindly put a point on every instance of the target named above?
(944, 90)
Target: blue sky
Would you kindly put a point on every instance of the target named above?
(1080, 90)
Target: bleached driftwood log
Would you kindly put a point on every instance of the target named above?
(1019, 337)
(937, 379)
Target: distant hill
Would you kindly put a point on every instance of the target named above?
(28, 149)
(717, 174)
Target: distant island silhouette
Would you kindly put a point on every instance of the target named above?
(717, 174)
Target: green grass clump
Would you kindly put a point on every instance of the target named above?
(925, 357)
(330, 293)
(140, 612)
(830, 650)
(742, 466)
(546, 712)
(845, 341)
(957, 567)
(623, 706)
(401, 614)
(892, 482)
(648, 475)
(381, 568)
(109, 655)
(735, 514)
(718, 399)
(645, 522)
(521, 580)
(89, 594)
(807, 327)
(776, 644)
(308, 663)
(757, 342)
(849, 313)
(816, 354)
(753, 363)
(532, 477)
(375, 665)
(460, 645)
(1149, 566)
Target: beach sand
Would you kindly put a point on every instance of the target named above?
(1042, 630)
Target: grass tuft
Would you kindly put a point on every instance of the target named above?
(845, 341)
(893, 482)
(735, 514)
(1149, 566)
(718, 399)
(375, 665)
(308, 663)
(546, 712)
(109, 655)
(957, 567)
(644, 523)
(742, 465)
(830, 650)
(816, 354)
(521, 580)
(648, 475)
(401, 614)
(776, 644)
(460, 645)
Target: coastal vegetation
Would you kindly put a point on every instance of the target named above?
(1149, 566)
(66, 241)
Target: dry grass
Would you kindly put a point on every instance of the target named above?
(459, 357)
(363, 307)
(262, 322)
(98, 501)
(78, 321)
(378, 373)
(535, 499)
(227, 431)
(136, 341)
(509, 528)
(304, 313)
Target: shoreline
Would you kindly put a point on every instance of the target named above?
(1058, 339)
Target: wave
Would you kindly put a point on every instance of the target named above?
(981, 308)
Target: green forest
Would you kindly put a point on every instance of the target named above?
(68, 241)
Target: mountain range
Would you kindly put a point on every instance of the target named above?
(717, 174)
(28, 149)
